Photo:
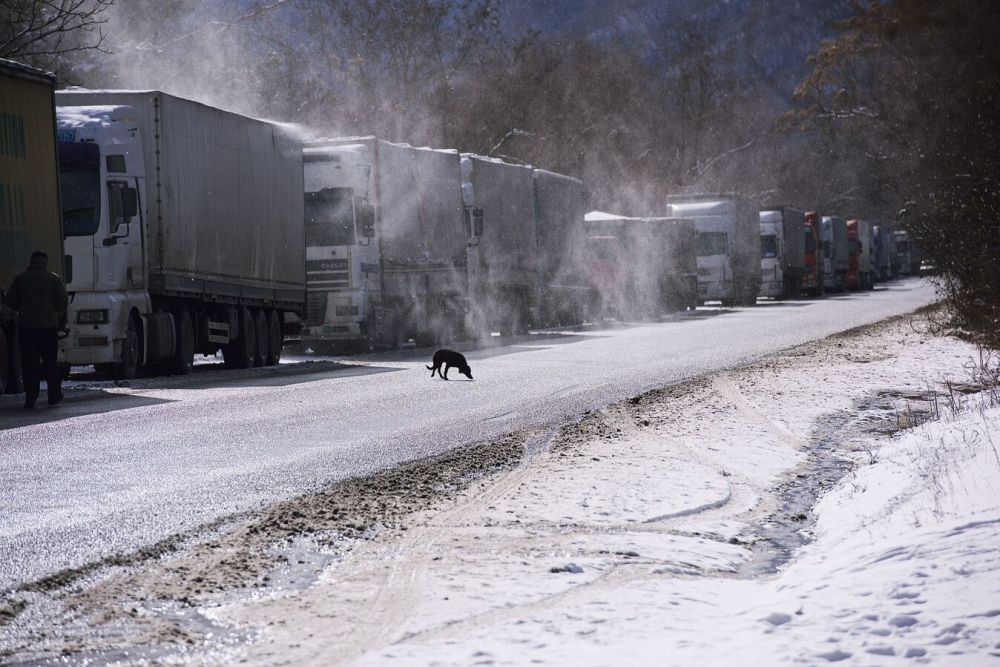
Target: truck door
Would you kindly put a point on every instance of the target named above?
(82, 204)
(112, 245)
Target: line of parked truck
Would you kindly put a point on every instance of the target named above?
(189, 230)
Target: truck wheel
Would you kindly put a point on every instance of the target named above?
(128, 367)
(274, 338)
(261, 338)
(184, 349)
(239, 353)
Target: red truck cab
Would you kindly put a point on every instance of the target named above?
(853, 281)
(812, 279)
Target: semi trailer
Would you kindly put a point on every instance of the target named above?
(500, 229)
(782, 252)
(29, 194)
(728, 245)
(184, 232)
(387, 244)
(561, 294)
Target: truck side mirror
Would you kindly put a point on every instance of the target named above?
(130, 203)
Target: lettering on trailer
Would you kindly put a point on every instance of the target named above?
(67, 136)
(13, 142)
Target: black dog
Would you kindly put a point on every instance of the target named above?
(449, 358)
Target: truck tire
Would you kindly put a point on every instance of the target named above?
(239, 353)
(274, 338)
(183, 359)
(260, 337)
(128, 367)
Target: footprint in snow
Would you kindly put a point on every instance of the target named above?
(835, 656)
(777, 618)
(902, 621)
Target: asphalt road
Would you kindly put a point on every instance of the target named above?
(115, 468)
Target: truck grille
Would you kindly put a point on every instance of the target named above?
(326, 265)
(315, 308)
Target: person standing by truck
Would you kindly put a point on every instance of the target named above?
(39, 297)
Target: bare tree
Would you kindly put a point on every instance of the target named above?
(44, 32)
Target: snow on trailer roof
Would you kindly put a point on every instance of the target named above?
(291, 128)
(336, 142)
(557, 175)
(597, 216)
(22, 71)
(93, 116)
(601, 216)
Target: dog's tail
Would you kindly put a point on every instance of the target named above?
(430, 368)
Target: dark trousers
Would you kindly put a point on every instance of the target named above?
(38, 356)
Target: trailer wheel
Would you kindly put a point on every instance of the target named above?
(184, 348)
(128, 367)
(274, 338)
(260, 337)
(240, 352)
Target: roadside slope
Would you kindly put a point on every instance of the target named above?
(654, 528)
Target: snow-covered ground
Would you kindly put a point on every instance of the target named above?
(636, 536)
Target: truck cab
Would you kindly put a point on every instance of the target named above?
(101, 173)
(727, 246)
(342, 250)
(901, 255)
(835, 253)
(772, 276)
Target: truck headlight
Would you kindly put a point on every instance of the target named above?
(92, 316)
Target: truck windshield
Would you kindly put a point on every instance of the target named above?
(711, 243)
(329, 217)
(80, 187)
(768, 246)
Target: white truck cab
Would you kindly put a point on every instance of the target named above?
(728, 246)
(102, 174)
(342, 250)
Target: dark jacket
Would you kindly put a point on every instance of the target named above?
(39, 296)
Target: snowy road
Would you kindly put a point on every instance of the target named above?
(117, 468)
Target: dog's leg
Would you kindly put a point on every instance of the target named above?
(446, 367)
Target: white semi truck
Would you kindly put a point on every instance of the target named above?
(728, 245)
(386, 239)
(183, 232)
(782, 251)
